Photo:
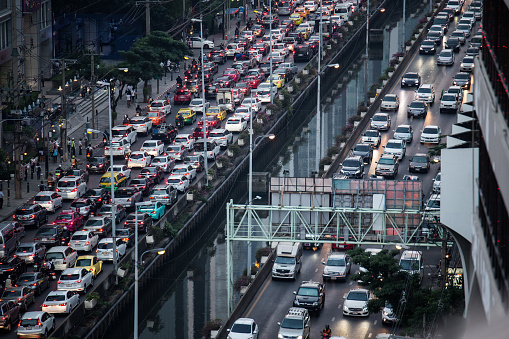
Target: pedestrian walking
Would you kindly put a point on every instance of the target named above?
(41, 155)
(128, 98)
(42, 79)
(73, 147)
(68, 145)
(55, 155)
(38, 169)
(80, 147)
(1, 200)
(42, 187)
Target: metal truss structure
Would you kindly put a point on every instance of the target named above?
(320, 225)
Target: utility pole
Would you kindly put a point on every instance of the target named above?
(147, 18)
(64, 112)
(15, 55)
(92, 91)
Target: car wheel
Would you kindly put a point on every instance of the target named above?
(85, 289)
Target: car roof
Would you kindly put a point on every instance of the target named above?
(57, 249)
(426, 86)
(33, 314)
(337, 255)
(72, 270)
(244, 321)
(58, 292)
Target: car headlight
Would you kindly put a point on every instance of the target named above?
(280, 336)
(299, 337)
(296, 302)
(386, 314)
(315, 303)
(345, 308)
(364, 309)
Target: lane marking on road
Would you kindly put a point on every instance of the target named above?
(370, 334)
(374, 322)
(351, 283)
(258, 298)
(333, 319)
(316, 270)
(339, 306)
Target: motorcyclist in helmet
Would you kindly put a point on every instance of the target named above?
(326, 332)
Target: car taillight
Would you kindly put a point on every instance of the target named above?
(100, 230)
(125, 239)
(59, 282)
(181, 182)
(43, 305)
(63, 304)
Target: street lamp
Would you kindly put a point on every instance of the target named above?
(160, 251)
(270, 49)
(112, 186)
(250, 182)
(203, 98)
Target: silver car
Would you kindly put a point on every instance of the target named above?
(337, 266)
(381, 121)
(404, 132)
(446, 57)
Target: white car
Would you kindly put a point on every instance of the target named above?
(177, 151)
(60, 302)
(372, 137)
(467, 64)
(124, 131)
(180, 183)
(196, 105)
(309, 27)
(185, 139)
(449, 103)
(437, 182)
(446, 57)
(153, 147)
(235, 124)
(455, 5)
(381, 122)
(28, 250)
(254, 103)
(426, 93)
(431, 134)
(310, 5)
(77, 279)
(395, 147)
(70, 188)
(264, 94)
(36, 324)
(105, 249)
(356, 303)
(197, 42)
(165, 162)
(142, 125)
(281, 47)
(256, 55)
(243, 112)
(49, 200)
(390, 102)
(118, 146)
(213, 148)
(62, 257)
(243, 328)
(184, 170)
(126, 171)
(232, 49)
(464, 28)
(223, 137)
(84, 241)
(161, 106)
(404, 132)
(139, 159)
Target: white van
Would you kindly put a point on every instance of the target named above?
(288, 261)
(8, 237)
(411, 262)
(70, 188)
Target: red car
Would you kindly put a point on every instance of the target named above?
(70, 220)
(232, 74)
(182, 96)
(341, 244)
(212, 120)
(198, 132)
(253, 81)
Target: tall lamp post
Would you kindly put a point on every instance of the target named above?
(250, 182)
(203, 99)
(112, 181)
(270, 49)
(367, 56)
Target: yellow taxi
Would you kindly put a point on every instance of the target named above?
(304, 31)
(217, 111)
(91, 263)
(277, 80)
(303, 11)
(120, 180)
(297, 18)
(188, 115)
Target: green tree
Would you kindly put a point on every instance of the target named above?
(382, 276)
(144, 58)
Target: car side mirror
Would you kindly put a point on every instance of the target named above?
(323, 262)
(279, 324)
(294, 292)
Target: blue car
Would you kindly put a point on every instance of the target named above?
(154, 209)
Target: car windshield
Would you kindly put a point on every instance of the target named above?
(463, 27)
(350, 163)
(362, 148)
(386, 161)
(94, 222)
(137, 156)
(425, 90)
(285, 260)
(390, 98)
(137, 121)
(138, 181)
(359, 296)
(446, 54)
(417, 104)
(79, 237)
(29, 322)
(174, 148)
(411, 76)
(105, 245)
(449, 97)
(95, 161)
(241, 328)
(160, 192)
(308, 291)
(291, 323)
(26, 277)
(433, 203)
(430, 130)
(42, 198)
(379, 118)
(419, 159)
(149, 144)
(47, 231)
(403, 130)
(78, 204)
(57, 297)
(171, 180)
(371, 134)
(409, 264)
(83, 262)
(54, 255)
(336, 262)
(67, 184)
(153, 114)
(462, 76)
(468, 60)
(124, 194)
(11, 293)
(69, 276)
(438, 177)
(393, 145)
(179, 170)
(25, 248)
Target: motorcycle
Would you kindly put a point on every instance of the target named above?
(48, 269)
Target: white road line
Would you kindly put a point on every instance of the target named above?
(316, 270)
(369, 335)
(339, 306)
(351, 283)
(374, 322)
(333, 319)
